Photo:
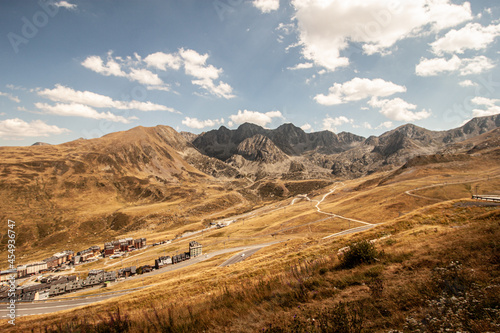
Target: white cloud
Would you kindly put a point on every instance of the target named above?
(286, 28)
(254, 117)
(65, 4)
(11, 97)
(163, 61)
(80, 110)
(145, 77)
(111, 68)
(16, 127)
(491, 106)
(466, 66)
(195, 65)
(330, 124)
(467, 83)
(302, 66)
(195, 123)
(65, 94)
(328, 27)
(476, 65)
(473, 36)
(3, 114)
(432, 67)
(306, 127)
(358, 89)
(385, 124)
(266, 6)
(398, 109)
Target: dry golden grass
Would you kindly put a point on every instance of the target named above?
(424, 233)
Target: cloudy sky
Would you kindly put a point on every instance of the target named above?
(76, 68)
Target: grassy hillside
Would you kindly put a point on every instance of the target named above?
(433, 263)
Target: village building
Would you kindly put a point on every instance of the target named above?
(52, 262)
(162, 261)
(194, 249)
(5, 275)
(139, 243)
(36, 267)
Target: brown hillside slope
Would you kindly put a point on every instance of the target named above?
(67, 193)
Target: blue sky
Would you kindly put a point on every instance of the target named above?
(75, 68)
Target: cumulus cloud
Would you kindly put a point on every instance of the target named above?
(254, 117)
(398, 109)
(80, 110)
(65, 4)
(330, 124)
(199, 124)
(301, 66)
(490, 106)
(116, 66)
(17, 128)
(358, 89)
(137, 69)
(266, 6)
(144, 76)
(471, 37)
(110, 68)
(466, 66)
(163, 61)
(68, 95)
(11, 97)
(476, 65)
(306, 127)
(195, 65)
(467, 83)
(329, 27)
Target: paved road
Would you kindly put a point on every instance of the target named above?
(49, 306)
(240, 257)
(54, 305)
(351, 231)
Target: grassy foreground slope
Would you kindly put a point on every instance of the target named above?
(431, 264)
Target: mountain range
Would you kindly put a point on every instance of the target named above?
(252, 149)
(146, 177)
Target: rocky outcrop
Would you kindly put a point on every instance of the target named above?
(261, 149)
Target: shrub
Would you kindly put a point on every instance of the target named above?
(359, 253)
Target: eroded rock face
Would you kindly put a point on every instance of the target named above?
(345, 154)
(261, 149)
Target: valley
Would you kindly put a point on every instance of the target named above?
(294, 201)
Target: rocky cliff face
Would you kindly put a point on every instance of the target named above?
(261, 149)
(403, 143)
(345, 154)
(290, 139)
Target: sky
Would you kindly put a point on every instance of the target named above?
(85, 68)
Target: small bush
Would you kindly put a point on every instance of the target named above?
(359, 253)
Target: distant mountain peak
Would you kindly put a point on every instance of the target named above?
(261, 149)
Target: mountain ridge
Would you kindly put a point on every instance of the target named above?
(344, 154)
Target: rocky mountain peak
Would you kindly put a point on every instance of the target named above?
(261, 149)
